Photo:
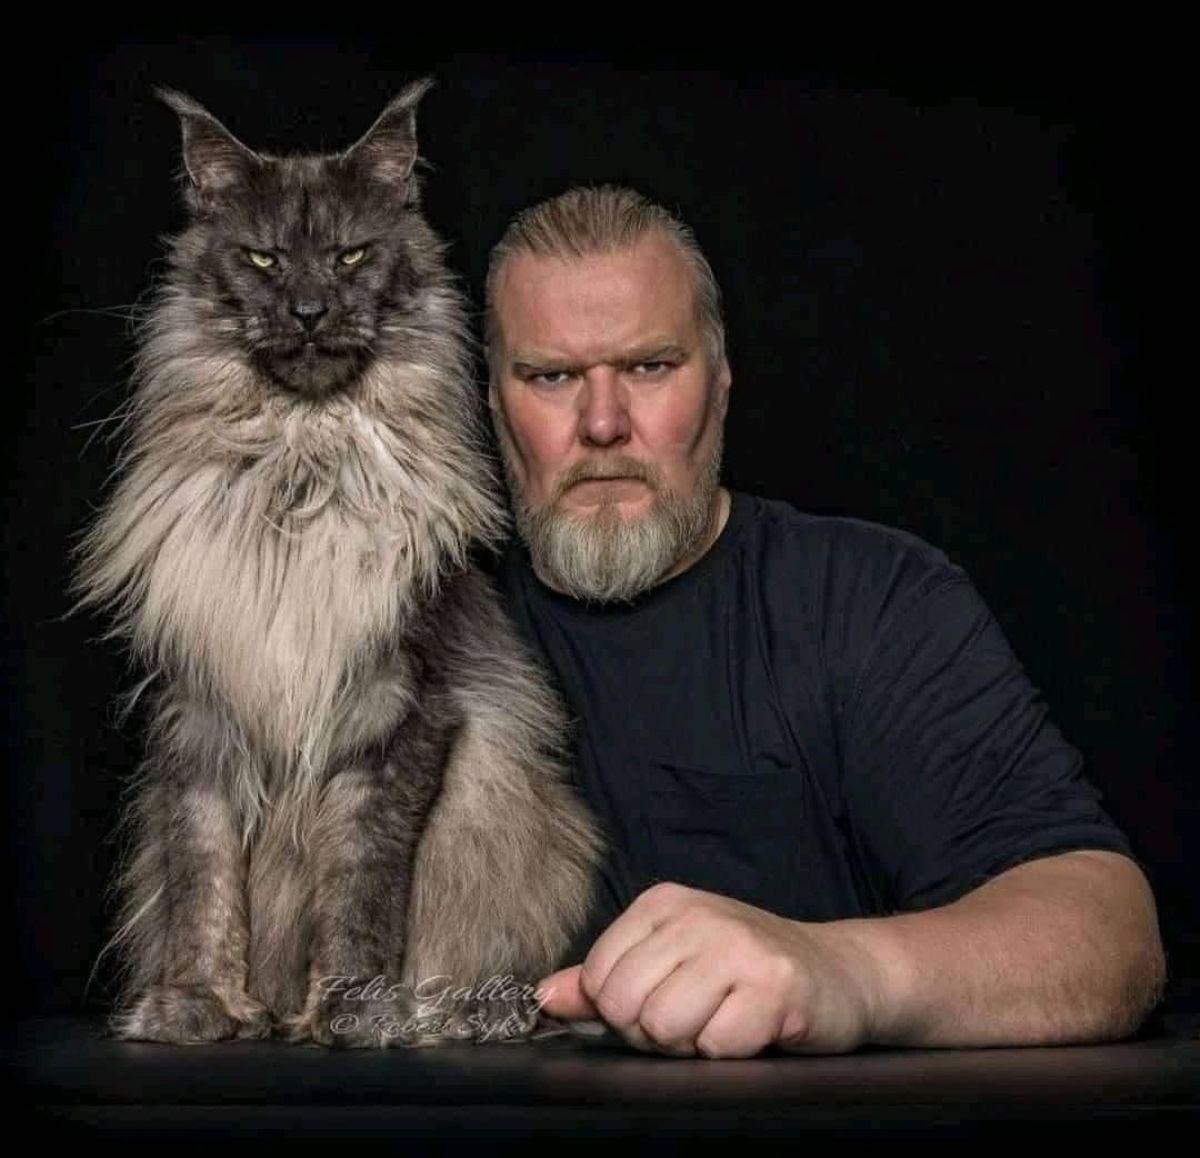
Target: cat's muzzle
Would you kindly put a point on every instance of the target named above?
(315, 369)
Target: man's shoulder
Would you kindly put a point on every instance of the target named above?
(803, 541)
(842, 580)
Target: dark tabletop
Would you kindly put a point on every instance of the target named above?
(63, 1073)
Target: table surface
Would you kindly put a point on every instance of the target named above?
(73, 1080)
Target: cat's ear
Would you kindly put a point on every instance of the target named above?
(216, 161)
(388, 149)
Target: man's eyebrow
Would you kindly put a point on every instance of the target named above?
(535, 361)
(661, 352)
(525, 361)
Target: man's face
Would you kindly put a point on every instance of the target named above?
(609, 416)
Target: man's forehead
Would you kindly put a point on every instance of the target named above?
(649, 279)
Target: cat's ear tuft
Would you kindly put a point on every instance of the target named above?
(216, 161)
(388, 149)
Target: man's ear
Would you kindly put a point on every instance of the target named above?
(724, 381)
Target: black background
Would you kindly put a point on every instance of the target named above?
(938, 286)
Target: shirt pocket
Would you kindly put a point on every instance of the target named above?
(737, 834)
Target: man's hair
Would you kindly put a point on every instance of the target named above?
(600, 219)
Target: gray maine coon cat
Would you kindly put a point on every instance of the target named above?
(354, 780)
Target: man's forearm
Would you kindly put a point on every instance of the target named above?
(1060, 949)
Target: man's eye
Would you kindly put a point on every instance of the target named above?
(259, 258)
(551, 377)
(353, 256)
(650, 369)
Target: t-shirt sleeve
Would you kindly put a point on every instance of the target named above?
(952, 768)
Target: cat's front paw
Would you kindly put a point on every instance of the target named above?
(254, 1024)
(176, 1014)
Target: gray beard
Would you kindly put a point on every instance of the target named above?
(604, 557)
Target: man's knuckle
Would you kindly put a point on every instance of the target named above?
(660, 1027)
(612, 1008)
(589, 982)
(666, 892)
(776, 970)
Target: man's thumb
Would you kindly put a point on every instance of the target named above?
(564, 997)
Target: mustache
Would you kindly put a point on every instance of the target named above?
(621, 466)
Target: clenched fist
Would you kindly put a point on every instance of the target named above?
(688, 972)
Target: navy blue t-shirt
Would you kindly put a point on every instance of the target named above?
(820, 717)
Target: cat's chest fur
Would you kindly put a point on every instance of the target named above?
(283, 557)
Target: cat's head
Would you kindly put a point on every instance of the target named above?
(307, 267)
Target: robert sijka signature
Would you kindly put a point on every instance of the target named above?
(438, 998)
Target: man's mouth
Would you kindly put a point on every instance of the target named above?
(606, 490)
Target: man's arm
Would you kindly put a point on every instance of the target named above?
(1062, 949)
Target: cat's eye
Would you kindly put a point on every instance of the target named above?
(353, 256)
(260, 259)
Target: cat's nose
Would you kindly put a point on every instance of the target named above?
(309, 313)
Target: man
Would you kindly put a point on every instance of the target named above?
(837, 812)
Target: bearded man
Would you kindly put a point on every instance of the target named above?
(838, 813)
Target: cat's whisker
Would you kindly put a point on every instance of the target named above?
(131, 312)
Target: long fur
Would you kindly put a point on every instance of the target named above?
(353, 769)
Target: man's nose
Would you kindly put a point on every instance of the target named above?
(603, 408)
